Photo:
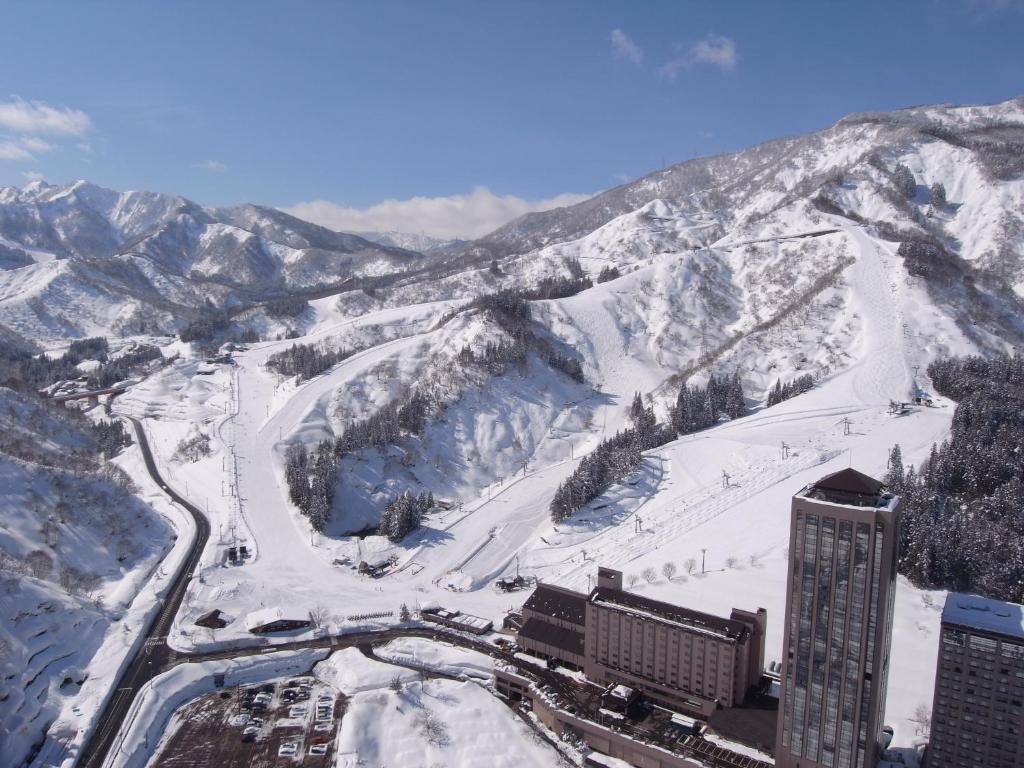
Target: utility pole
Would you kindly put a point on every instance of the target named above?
(725, 479)
(703, 553)
(785, 450)
(846, 425)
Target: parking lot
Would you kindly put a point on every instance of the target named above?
(283, 723)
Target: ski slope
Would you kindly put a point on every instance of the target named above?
(676, 508)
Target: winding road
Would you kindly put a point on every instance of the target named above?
(153, 653)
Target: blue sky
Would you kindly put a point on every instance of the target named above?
(451, 116)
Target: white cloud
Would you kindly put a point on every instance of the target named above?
(214, 166)
(12, 150)
(32, 175)
(24, 148)
(39, 117)
(456, 216)
(35, 144)
(625, 48)
(716, 50)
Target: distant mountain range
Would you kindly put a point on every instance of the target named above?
(80, 259)
(411, 241)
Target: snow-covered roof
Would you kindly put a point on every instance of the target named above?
(693, 621)
(266, 616)
(621, 691)
(984, 613)
(849, 480)
(474, 621)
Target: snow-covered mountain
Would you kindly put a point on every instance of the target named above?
(79, 259)
(977, 152)
(82, 260)
(738, 245)
(411, 241)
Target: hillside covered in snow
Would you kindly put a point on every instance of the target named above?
(77, 543)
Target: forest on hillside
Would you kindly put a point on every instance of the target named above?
(963, 509)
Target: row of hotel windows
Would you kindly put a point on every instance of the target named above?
(613, 661)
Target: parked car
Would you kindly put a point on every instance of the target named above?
(288, 749)
(318, 749)
(250, 733)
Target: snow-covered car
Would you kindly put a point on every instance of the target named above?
(250, 733)
(288, 749)
(318, 749)
(323, 727)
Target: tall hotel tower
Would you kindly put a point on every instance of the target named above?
(842, 575)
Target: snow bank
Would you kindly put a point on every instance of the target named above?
(439, 657)
(350, 671)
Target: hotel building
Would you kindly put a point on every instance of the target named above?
(838, 623)
(978, 710)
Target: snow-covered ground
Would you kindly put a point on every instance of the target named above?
(102, 555)
(427, 723)
(438, 657)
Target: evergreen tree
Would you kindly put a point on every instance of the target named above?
(937, 196)
(894, 473)
(904, 182)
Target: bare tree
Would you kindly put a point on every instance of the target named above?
(669, 570)
(922, 719)
(318, 615)
(71, 580)
(396, 684)
(51, 533)
(632, 580)
(649, 574)
(690, 565)
(39, 564)
(433, 729)
(730, 562)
